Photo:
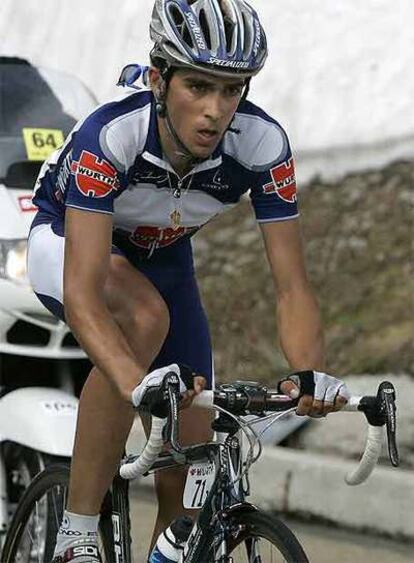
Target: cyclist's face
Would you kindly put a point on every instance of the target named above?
(201, 107)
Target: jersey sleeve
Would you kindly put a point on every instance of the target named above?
(273, 194)
(95, 174)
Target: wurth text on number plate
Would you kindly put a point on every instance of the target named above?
(200, 478)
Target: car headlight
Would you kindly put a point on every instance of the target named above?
(13, 255)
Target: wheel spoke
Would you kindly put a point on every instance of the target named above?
(37, 530)
(55, 509)
(32, 534)
(256, 537)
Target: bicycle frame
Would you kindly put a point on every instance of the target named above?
(227, 495)
(213, 527)
(118, 515)
(225, 520)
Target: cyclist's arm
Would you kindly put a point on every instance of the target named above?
(88, 237)
(299, 322)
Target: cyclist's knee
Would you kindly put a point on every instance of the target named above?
(136, 305)
(154, 316)
(149, 316)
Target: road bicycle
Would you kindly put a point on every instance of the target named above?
(227, 528)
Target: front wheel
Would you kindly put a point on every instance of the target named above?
(258, 537)
(32, 534)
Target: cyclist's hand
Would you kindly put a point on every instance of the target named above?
(319, 393)
(199, 384)
(149, 390)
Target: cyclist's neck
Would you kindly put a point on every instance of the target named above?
(177, 154)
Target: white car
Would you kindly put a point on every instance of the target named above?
(38, 108)
(41, 364)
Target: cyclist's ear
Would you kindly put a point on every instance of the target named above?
(155, 79)
(158, 86)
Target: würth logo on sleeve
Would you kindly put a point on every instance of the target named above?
(283, 181)
(94, 176)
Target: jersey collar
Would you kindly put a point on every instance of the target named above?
(153, 151)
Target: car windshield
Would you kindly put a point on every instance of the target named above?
(37, 111)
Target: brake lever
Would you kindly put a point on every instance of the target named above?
(170, 388)
(156, 400)
(386, 395)
(380, 411)
(171, 430)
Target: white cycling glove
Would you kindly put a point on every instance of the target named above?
(151, 383)
(321, 386)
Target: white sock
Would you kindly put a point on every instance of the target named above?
(76, 527)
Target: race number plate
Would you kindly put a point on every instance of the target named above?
(200, 479)
(40, 143)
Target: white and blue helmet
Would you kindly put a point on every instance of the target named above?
(223, 37)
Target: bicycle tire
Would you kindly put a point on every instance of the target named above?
(22, 464)
(53, 477)
(260, 525)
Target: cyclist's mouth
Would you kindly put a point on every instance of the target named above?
(207, 136)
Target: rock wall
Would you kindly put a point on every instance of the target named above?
(358, 235)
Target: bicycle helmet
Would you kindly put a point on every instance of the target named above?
(223, 37)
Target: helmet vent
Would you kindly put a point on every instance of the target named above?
(181, 25)
(248, 38)
(229, 24)
(205, 28)
(229, 31)
(187, 37)
(176, 15)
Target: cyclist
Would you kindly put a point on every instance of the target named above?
(110, 251)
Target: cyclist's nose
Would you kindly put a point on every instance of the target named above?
(214, 108)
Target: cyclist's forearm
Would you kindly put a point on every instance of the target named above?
(300, 329)
(103, 341)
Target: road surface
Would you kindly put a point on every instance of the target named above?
(322, 544)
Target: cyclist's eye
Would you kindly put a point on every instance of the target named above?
(234, 91)
(199, 88)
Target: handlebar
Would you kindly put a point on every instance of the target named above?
(243, 398)
(380, 411)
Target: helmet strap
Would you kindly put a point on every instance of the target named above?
(230, 128)
(245, 91)
(183, 150)
(162, 112)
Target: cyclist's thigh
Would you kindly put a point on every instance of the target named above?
(129, 294)
(188, 342)
(135, 302)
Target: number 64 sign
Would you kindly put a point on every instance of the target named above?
(40, 143)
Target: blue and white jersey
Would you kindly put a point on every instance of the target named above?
(112, 162)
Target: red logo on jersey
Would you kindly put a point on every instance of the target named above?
(284, 181)
(95, 177)
(26, 204)
(155, 237)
